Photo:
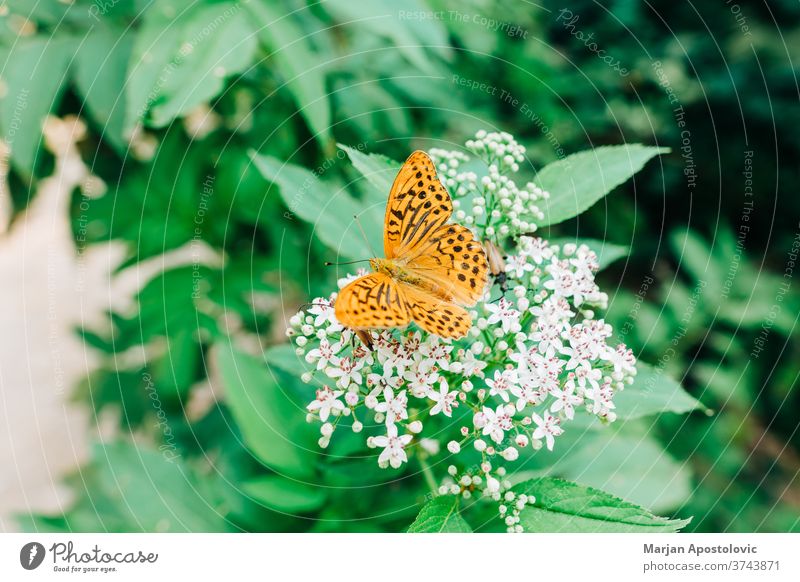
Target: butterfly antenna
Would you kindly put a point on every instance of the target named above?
(330, 264)
(364, 234)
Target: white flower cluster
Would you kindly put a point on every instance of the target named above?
(510, 504)
(493, 202)
(535, 357)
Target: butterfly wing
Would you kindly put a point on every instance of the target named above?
(452, 264)
(372, 301)
(435, 315)
(418, 205)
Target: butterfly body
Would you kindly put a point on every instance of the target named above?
(432, 268)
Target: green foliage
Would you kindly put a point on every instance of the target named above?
(272, 422)
(182, 56)
(285, 82)
(578, 181)
(561, 506)
(440, 515)
(328, 209)
(130, 488)
(285, 494)
(35, 77)
(652, 393)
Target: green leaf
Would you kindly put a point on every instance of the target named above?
(285, 494)
(284, 357)
(440, 515)
(300, 65)
(183, 55)
(563, 506)
(35, 77)
(99, 74)
(629, 464)
(415, 39)
(329, 211)
(578, 181)
(379, 170)
(653, 392)
(607, 252)
(131, 488)
(272, 422)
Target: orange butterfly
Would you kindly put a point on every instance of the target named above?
(431, 268)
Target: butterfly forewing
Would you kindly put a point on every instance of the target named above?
(451, 263)
(418, 204)
(374, 301)
(433, 266)
(435, 315)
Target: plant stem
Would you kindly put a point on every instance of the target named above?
(428, 474)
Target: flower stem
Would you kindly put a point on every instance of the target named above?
(428, 474)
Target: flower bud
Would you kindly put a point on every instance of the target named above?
(492, 485)
(479, 419)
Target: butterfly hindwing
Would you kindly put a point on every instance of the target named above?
(453, 263)
(373, 301)
(418, 204)
(435, 315)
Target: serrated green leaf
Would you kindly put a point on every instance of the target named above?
(563, 506)
(440, 515)
(271, 420)
(329, 211)
(284, 494)
(653, 392)
(578, 181)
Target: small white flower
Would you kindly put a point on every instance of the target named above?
(445, 400)
(437, 352)
(323, 355)
(326, 401)
(566, 400)
(502, 383)
(503, 312)
(498, 421)
(546, 428)
(510, 454)
(395, 407)
(345, 371)
(472, 366)
(393, 453)
(517, 266)
(421, 379)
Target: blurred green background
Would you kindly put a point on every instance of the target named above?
(176, 95)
